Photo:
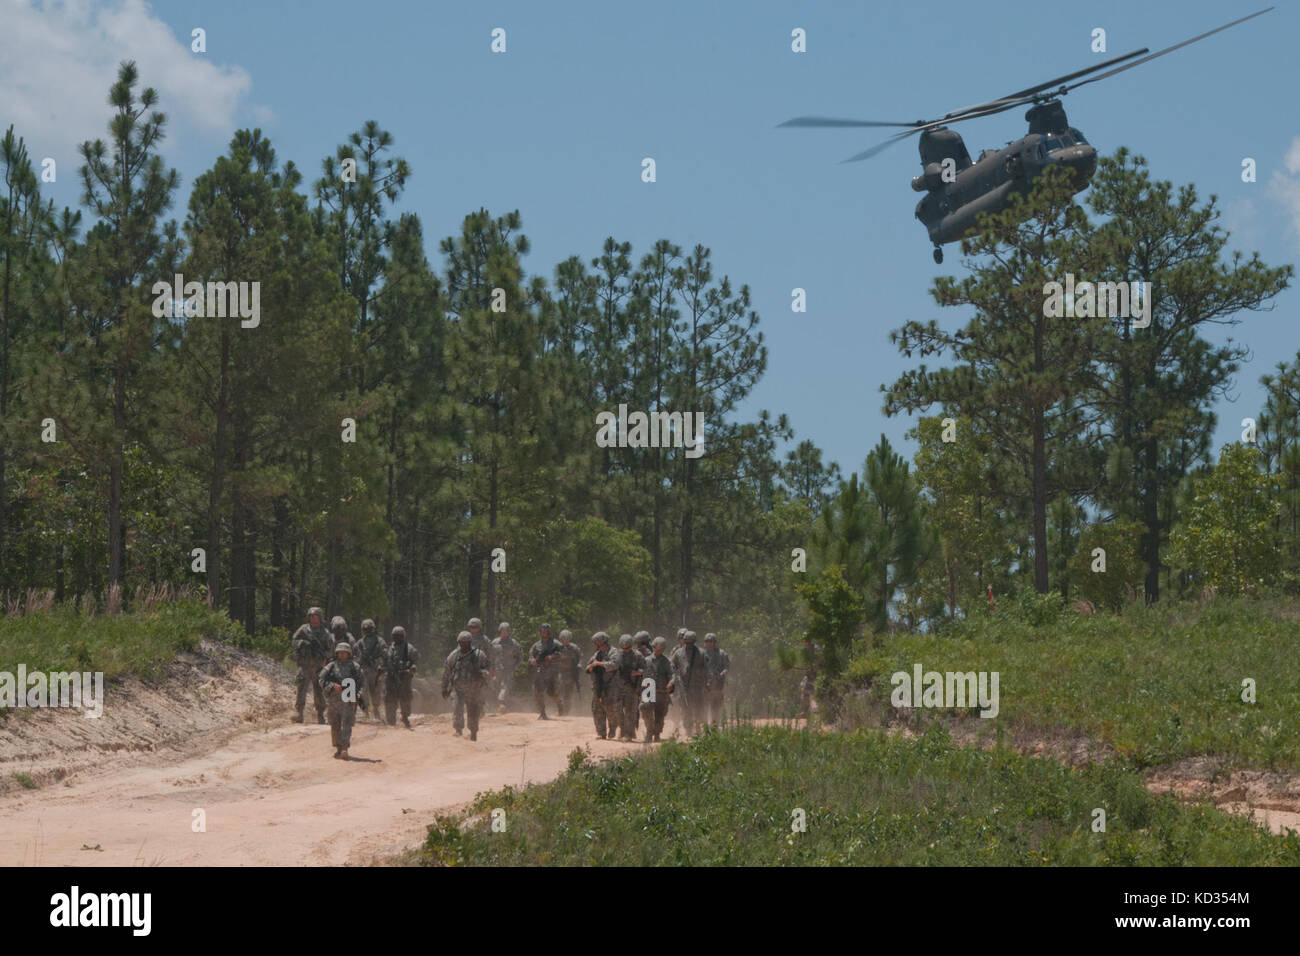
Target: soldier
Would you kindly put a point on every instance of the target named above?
(690, 673)
(466, 672)
(339, 628)
(544, 656)
(642, 641)
(343, 683)
(399, 670)
(809, 682)
(681, 637)
(627, 683)
(570, 663)
(311, 646)
(604, 703)
(477, 639)
(506, 654)
(718, 664)
(659, 669)
(371, 654)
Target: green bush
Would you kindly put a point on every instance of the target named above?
(730, 799)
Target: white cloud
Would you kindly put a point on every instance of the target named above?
(1284, 186)
(58, 60)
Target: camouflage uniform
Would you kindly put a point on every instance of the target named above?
(690, 673)
(544, 656)
(477, 639)
(344, 673)
(658, 668)
(311, 649)
(809, 682)
(506, 655)
(372, 655)
(627, 685)
(718, 665)
(466, 673)
(569, 663)
(604, 707)
(642, 642)
(399, 669)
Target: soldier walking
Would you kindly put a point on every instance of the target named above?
(477, 639)
(506, 655)
(372, 654)
(570, 663)
(342, 682)
(466, 674)
(604, 705)
(809, 682)
(642, 641)
(627, 684)
(689, 676)
(543, 657)
(718, 663)
(311, 646)
(399, 670)
(339, 628)
(659, 669)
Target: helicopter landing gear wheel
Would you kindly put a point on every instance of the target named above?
(938, 255)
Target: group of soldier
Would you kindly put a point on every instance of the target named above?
(345, 672)
(630, 685)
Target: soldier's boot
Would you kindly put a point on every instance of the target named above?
(320, 716)
(473, 735)
(343, 754)
(406, 721)
(297, 718)
(501, 708)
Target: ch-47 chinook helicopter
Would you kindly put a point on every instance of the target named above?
(958, 190)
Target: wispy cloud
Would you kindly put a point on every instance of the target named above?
(58, 60)
(1284, 186)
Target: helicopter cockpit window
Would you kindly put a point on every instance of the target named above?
(1078, 137)
(1053, 144)
(1067, 140)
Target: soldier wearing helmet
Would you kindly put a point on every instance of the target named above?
(466, 674)
(570, 663)
(718, 663)
(604, 706)
(372, 655)
(642, 641)
(311, 649)
(477, 639)
(343, 684)
(544, 657)
(658, 672)
(399, 671)
(339, 628)
(690, 672)
(627, 683)
(506, 655)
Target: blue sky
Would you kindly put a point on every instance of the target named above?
(558, 125)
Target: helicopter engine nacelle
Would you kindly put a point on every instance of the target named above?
(929, 180)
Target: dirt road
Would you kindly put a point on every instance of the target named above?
(274, 796)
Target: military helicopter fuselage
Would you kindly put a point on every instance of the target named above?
(958, 190)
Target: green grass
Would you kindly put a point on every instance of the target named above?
(871, 798)
(1156, 684)
(62, 639)
(25, 780)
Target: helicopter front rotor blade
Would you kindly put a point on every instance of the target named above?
(822, 121)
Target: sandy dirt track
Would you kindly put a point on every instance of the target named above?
(275, 796)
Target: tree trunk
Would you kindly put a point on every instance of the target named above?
(218, 477)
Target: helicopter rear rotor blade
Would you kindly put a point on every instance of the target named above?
(1042, 86)
(1168, 49)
